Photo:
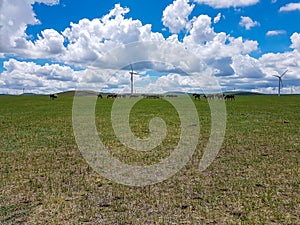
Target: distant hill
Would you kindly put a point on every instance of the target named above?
(66, 93)
(239, 93)
(174, 93)
(243, 93)
(81, 93)
(27, 94)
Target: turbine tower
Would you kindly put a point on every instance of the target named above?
(280, 81)
(131, 78)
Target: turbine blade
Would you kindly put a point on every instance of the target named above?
(284, 73)
(131, 67)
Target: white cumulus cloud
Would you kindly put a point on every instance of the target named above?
(275, 32)
(206, 43)
(90, 39)
(15, 15)
(217, 18)
(290, 7)
(247, 22)
(175, 15)
(227, 3)
(36, 78)
(295, 38)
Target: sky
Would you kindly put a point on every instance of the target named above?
(50, 46)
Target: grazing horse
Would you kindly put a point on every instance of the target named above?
(210, 96)
(220, 96)
(112, 96)
(196, 96)
(231, 97)
(152, 96)
(99, 96)
(53, 96)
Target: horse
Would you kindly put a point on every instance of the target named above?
(53, 96)
(210, 96)
(196, 96)
(99, 96)
(231, 97)
(152, 96)
(112, 96)
(220, 96)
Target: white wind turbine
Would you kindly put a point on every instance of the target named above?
(280, 81)
(131, 78)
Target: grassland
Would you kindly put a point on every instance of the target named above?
(254, 180)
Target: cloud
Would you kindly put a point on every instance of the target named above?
(227, 3)
(37, 78)
(175, 15)
(47, 2)
(221, 67)
(15, 15)
(217, 18)
(82, 42)
(49, 44)
(201, 30)
(295, 39)
(247, 67)
(290, 7)
(247, 22)
(90, 39)
(116, 13)
(275, 32)
(206, 43)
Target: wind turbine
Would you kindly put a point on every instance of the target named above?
(131, 78)
(280, 81)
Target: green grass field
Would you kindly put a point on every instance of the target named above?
(254, 180)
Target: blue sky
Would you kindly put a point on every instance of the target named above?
(49, 45)
(60, 16)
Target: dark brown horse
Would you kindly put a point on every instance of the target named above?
(196, 96)
(53, 96)
(231, 97)
(112, 96)
(152, 96)
(99, 96)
